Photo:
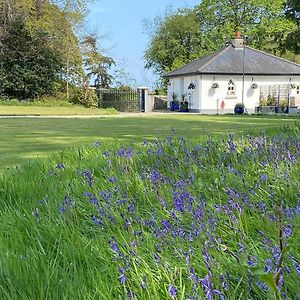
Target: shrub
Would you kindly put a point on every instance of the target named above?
(85, 96)
(239, 105)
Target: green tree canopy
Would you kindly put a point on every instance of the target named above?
(293, 13)
(58, 26)
(191, 33)
(95, 63)
(174, 42)
(29, 67)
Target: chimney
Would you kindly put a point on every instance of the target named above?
(238, 41)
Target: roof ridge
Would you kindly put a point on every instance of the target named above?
(214, 57)
(274, 56)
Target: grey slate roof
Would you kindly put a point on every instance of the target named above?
(229, 60)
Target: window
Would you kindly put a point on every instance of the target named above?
(298, 90)
(231, 89)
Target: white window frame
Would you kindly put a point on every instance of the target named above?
(231, 89)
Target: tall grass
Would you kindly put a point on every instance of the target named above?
(209, 218)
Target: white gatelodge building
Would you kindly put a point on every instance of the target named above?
(234, 74)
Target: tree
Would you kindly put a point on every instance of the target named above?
(59, 25)
(96, 64)
(262, 20)
(122, 78)
(174, 42)
(29, 67)
(192, 33)
(293, 13)
(57, 19)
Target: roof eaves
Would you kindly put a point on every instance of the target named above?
(181, 74)
(252, 74)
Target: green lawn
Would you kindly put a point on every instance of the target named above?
(25, 110)
(27, 138)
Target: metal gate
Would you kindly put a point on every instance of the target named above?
(122, 100)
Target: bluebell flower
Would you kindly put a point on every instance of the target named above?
(263, 177)
(112, 179)
(120, 152)
(263, 286)
(60, 166)
(88, 176)
(251, 261)
(230, 169)
(95, 220)
(131, 208)
(268, 265)
(298, 208)
(287, 231)
(105, 154)
(128, 152)
(172, 291)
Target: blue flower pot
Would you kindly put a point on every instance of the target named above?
(174, 106)
(239, 110)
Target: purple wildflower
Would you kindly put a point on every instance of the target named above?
(120, 152)
(231, 145)
(131, 208)
(172, 291)
(142, 284)
(95, 220)
(68, 202)
(250, 261)
(128, 152)
(178, 201)
(268, 265)
(263, 177)
(287, 231)
(230, 169)
(113, 245)
(112, 179)
(59, 166)
(122, 278)
(263, 286)
(105, 154)
(298, 208)
(88, 177)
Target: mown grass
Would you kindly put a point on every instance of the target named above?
(28, 138)
(180, 218)
(32, 110)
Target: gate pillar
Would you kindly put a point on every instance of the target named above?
(143, 99)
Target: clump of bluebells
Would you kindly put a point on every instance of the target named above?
(187, 219)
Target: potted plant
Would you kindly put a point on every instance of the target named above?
(183, 103)
(254, 85)
(174, 104)
(215, 85)
(184, 106)
(239, 108)
(191, 86)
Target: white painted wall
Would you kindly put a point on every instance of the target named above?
(211, 99)
(179, 86)
(207, 100)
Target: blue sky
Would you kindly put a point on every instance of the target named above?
(121, 23)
